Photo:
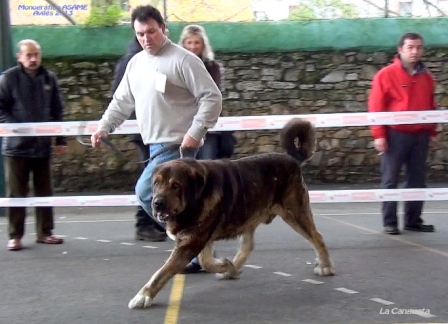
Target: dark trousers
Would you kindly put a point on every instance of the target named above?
(17, 176)
(411, 150)
(143, 219)
(210, 149)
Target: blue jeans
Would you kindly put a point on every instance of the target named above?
(159, 153)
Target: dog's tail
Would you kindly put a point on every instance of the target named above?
(298, 138)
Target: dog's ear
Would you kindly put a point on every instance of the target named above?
(197, 178)
(156, 170)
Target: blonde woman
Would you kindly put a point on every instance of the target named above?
(194, 38)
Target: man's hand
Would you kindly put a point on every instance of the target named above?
(60, 149)
(95, 138)
(189, 142)
(380, 145)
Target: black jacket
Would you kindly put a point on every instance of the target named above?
(26, 99)
(133, 48)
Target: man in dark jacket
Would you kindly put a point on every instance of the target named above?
(29, 93)
(147, 228)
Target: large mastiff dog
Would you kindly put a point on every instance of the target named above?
(205, 201)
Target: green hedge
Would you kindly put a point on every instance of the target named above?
(257, 37)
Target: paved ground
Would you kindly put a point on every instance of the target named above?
(91, 277)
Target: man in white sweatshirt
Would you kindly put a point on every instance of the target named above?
(174, 97)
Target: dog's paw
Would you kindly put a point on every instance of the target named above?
(228, 275)
(140, 301)
(324, 270)
(230, 271)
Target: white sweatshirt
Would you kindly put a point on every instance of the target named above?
(172, 94)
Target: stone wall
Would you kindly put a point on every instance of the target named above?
(256, 84)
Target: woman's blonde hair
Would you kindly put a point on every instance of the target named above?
(207, 52)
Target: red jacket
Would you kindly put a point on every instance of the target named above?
(394, 89)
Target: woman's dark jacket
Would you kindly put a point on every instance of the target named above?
(215, 70)
(226, 140)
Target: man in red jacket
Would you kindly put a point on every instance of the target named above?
(405, 85)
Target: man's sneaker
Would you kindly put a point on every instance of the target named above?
(420, 228)
(391, 230)
(192, 267)
(150, 235)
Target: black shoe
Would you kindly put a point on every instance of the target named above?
(150, 234)
(420, 228)
(192, 268)
(391, 230)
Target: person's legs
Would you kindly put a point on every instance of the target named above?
(416, 178)
(16, 185)
(42, 182)
(159, 154)
(193, 266)
(391, 163)
(146, 227)
(210, 149)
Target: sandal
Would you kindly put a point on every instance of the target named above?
(51, 239)
(14, 245)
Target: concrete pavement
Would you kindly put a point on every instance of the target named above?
(91, 277)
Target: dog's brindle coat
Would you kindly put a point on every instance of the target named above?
(205, 201)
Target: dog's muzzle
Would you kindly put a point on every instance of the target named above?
(159, 205)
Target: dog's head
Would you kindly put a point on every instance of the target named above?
(176, 185)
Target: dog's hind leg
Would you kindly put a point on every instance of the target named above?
(177, 261)
(300, 218)
(221, 267)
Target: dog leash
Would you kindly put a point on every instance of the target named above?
(105, 141)
(183, 152)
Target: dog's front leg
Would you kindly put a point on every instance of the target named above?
(177, 261)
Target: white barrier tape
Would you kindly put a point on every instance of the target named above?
(377, 195)
(331, 196)
(236, 123)
(71, 201)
